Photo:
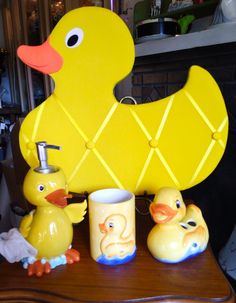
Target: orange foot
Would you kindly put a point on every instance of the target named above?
(38, 268)
(72, 256)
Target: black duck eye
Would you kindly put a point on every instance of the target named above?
(111, 225)
(74, 37)
(41, 187)
(192, 223)
(177, 203)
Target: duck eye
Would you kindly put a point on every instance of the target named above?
(177, 203)
(74, 37)
(111, 225)
(41, 187)
(192, 223)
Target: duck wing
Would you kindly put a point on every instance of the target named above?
(76, 211)
(25, 224)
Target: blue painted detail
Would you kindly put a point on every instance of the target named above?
(116, 260)
(193, 251)
(61, 260)
(54, 262)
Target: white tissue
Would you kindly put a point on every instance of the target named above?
(14, 247)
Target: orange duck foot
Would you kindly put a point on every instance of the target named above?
(41, 266)
(38, 268)
(72, 256)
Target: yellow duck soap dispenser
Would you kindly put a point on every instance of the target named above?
(180, 232)
(49, 228)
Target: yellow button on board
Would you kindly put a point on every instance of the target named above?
(31, 145)
(153, 143)
(216, 135)
(90, 145)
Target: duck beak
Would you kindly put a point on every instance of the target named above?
(43, 57)
(161, 213)
(102, 228)
(58, 198)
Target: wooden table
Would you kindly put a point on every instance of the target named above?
(142, 280)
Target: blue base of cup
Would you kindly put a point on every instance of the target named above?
(115, 260)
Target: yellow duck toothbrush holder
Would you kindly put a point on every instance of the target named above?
(180, 232)
(49, 228)
(112, 226)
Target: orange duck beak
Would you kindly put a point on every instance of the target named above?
(58, 198)
(43, 58)
(161, 213)
(102, 228)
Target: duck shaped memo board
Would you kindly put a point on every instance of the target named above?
(177, 141)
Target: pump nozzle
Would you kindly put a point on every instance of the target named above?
(42, 147)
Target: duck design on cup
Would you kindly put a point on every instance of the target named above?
(116, 246)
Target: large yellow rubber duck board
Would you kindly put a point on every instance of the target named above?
(176, 142)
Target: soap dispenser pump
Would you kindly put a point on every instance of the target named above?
(43, 167)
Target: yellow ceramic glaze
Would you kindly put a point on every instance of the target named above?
(49, 227)
(176, 142)
(112, 226)
(50, 232)
(180, 232)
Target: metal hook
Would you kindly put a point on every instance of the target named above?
(128, 97)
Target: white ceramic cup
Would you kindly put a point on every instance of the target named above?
(112, 226)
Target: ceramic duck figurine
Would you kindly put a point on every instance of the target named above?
(115, 243)
(129, 146)
(49, 227)
(180, 232)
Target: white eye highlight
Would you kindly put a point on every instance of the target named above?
(74, 37)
